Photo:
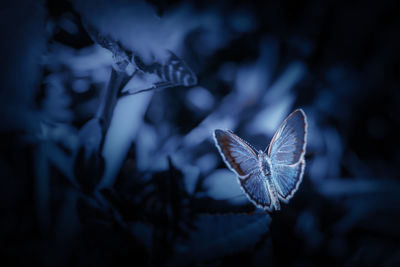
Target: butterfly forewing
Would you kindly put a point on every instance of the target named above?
(286, 152)
(239, 157)
(288, 144)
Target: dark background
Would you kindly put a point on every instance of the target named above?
(155, 191)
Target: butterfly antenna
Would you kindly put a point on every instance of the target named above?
(266, 149)
(255, 149)
(250, 145)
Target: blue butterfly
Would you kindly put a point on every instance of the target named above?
(273, 174)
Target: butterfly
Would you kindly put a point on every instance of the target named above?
(268, 176)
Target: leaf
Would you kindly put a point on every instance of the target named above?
(91, 135)
(90, 213)
(126, 208)
(346, 187)
(222, 185)
(175, 70)
(88, 169)
(120, 56)
(219, 235)
(126, 120)
(156, 76)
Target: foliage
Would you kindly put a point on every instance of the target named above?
(107, 156)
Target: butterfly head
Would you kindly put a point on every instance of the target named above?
(262, 155)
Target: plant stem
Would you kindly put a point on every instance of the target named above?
(118, 80)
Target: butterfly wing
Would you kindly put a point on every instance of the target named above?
(238, 156)
(288, 178)
(242, 160)
(289, 142)
(255, 189)
(286, 152)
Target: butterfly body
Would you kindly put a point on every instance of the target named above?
(266, 177)
(265, 167)
(273, 192)
(264, 163)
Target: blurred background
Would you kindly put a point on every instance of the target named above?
(108, 108)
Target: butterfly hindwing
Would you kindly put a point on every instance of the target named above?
(289, 142)
(288, 178)
(239, 157)
(256, 190)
